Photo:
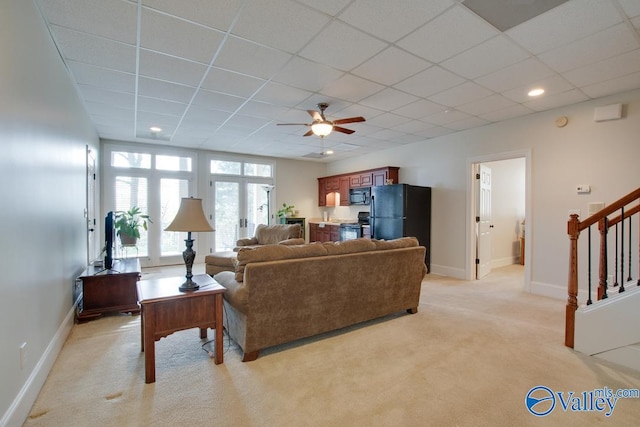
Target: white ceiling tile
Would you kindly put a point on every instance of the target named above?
(110, 97)
(430, 81)
(605, 44)
(463, 94)
(165, 121)
(243, 121)
(445, 117)
(88, 49)
(388, 120)
(161, 106)
(551, 85)
(390, 20)
(520, 74)
(564, 24)
(170, 68)
(166, 90)
(201, 11)
(295, 24)
(435, 132)
(351, 88)
(177, 37)
(607, 87)
(419, 109)
(517, 110)
(330, 7)
(388, 99)
(112, 19)
(219, 101)
(486, 105)
(306, 75)
(631, 7)
(454, 31)
(237, 84)
(205, 118)
(467, 123)
(492, 55)
(111, 111)
(281, 94)
(342, 47)
(605, 70)
(391, 66)
(413, 126)
(262, 109)
(249, 58)
(556, 100)
(355, 110)
(102, 77)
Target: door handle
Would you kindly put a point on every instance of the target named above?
(491, 226)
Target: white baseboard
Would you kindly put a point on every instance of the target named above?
(19, 410)
(549, 290)
(503, 262)
(442, 270)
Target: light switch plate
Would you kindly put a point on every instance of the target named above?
(583, 188)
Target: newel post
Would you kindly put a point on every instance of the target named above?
(573, 229)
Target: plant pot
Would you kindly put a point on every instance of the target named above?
(127, 240)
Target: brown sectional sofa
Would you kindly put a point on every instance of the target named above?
(281, 293)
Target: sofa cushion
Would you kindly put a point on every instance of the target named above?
(275, 252)
(271, 234)
(349, 246)
(401, 242)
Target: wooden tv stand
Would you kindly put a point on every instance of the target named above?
(107, 291)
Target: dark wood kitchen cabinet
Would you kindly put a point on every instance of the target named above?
(328, 233)
(330, 186)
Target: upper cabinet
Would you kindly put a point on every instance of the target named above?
(335, 189)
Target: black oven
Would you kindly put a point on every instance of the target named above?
(353, 230)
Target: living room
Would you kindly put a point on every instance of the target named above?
(46, 131)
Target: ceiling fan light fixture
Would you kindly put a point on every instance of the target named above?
(322, 128)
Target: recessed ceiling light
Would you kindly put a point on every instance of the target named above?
(328, 152)
(155, 129)
(536, 92)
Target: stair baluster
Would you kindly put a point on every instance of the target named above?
(621, 250)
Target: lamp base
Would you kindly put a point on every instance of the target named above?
(189, 285)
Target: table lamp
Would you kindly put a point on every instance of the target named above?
(190, 218)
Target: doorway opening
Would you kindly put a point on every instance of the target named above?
(499, 214)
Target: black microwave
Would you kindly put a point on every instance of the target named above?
(360, 196)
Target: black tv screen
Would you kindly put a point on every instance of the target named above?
(109, 235)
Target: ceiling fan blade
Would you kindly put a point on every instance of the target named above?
(343, 130)
(349, 120)
(309, 133)
(317, 117)
(293, 124)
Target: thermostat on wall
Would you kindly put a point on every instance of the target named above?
(583, 189)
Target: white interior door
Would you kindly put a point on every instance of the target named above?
(483, 221)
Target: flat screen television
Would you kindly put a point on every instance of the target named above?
(109, 240)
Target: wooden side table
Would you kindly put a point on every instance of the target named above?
(105, 291)
(165, 310)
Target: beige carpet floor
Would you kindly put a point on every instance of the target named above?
(467, 358)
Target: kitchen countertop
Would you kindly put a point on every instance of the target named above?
(334, 221)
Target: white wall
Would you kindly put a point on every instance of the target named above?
(44, 132)
(602, 154)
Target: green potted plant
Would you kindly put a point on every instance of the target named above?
(128, 224)
(285, 212)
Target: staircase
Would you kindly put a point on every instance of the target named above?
(608, 327)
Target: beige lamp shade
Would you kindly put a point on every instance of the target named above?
(190, 217)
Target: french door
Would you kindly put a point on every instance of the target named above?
(239, 205)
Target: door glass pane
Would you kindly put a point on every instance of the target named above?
(171, 193)
(227, 214)
(132, 191)
(173, 163)
(122, 159)
(257, 212)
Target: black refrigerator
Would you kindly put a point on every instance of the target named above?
(401, 210)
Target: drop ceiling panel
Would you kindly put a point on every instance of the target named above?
(330, 47)
(568, 22)
(391, 66)
(111, 19)
(173, 36)
(605, 44)
(399, 67)
(487, 57)
(389, 20)
(454, 31)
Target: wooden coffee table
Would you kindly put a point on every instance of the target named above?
(165, 310)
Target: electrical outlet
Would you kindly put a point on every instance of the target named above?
(23, 355)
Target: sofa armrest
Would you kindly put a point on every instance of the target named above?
(237, 294)
(247, 241)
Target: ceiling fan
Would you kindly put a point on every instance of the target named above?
(323, 127)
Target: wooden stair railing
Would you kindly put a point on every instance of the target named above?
(574, 227)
